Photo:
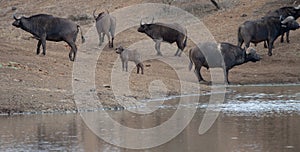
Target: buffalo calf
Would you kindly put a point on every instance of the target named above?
(224, 55)
(130, 55)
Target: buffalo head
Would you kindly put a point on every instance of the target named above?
(251, 55)
(144, 26)
(119, 50)
(290, 23)
(17, 22)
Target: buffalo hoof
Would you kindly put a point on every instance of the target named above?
(72, 60)
(270, 54)
(159, 54)
(204, 82)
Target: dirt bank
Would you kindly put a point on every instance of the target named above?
(31, 83)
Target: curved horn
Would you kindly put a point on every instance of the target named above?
(15, 17)
(94, 13)
(298, 7)
(152, 20)
(141, 22)
(250, 50)
(290, 18)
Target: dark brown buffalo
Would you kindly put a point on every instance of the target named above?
(267, 29)
(224, 55)
(284, 12)
(162, 32)
(47, 27)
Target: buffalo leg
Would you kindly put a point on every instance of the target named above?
(178, 52)
(43, 40)
(123, 65)
(282, 38)
(226, 76)
(247, 44)
(112, 42)
(126, 66)
(38, 49)
(157, 47)
(270, 46)
(109, 42)
(141, 66)
(72, 53)
(112, 34)
(288, 36)
(198, 74)
(100, 39)
(265, 44)
(137, 69)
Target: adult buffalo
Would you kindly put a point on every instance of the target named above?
(267, 29)
(224, 55)
(106, 25)
(163, 32)
(47, 27)
(284, 12)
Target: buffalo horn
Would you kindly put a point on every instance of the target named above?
(250, 50)
(141, 22)
(298, 7)
(290, 18)
(15, 17)
(94, 13)
(152, 20)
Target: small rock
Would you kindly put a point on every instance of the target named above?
(17, 80)
(244, 15)
(13, 8)
(106, 86)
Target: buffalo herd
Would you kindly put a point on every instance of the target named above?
(208, 54)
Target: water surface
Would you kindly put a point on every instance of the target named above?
(253, 118)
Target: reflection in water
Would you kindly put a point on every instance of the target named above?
(252, 119)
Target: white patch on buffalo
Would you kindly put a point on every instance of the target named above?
(219, 47)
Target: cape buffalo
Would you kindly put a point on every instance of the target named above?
(284, 12)
(105, 24)
(162, 32)
(266, 29)
(130, 55)
(224, 55)
(47, 27)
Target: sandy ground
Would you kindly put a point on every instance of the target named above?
(31, 83)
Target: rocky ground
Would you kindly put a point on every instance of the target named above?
(35, 83)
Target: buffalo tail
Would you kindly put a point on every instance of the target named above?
(82, 38)
(191, 62)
